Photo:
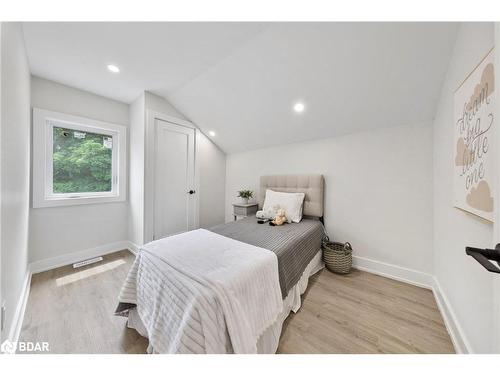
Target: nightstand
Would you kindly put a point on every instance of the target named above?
(240, 209)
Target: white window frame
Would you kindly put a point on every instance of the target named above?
(43, 195)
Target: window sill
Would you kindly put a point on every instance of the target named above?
(77, 201)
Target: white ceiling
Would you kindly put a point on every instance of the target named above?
(241, 79)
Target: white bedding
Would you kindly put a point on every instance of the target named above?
(269, 340)
(292, 203)
(190, 302)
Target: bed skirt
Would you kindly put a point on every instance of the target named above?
(269, 340)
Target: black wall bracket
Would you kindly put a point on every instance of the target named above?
(483, 256)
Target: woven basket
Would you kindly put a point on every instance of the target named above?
(337, 256)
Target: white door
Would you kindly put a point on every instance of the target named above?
(174, 186)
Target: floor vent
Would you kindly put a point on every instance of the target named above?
(87, 262)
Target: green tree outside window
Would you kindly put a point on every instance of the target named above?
(82, 161)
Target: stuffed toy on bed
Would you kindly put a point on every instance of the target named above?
(268, 214)
(280, 217)
(276, 214)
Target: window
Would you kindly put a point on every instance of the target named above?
(76, 160)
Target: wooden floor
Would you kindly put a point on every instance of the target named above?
(365, 313)
(357, 313)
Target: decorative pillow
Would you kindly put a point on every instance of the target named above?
(290, 202)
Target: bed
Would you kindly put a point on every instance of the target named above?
(230, 288)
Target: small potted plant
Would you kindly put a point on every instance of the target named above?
(245, 195)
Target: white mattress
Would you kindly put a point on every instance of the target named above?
(269, 340)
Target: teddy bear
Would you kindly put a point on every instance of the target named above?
(280, 217)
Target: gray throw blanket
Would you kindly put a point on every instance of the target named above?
(294, 244)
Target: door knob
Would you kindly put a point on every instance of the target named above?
(191, 192)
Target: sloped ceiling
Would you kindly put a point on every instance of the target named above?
(242, 79)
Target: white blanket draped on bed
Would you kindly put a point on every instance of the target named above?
(195, 288)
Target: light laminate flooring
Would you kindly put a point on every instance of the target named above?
(357, 313)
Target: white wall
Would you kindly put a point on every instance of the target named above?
(468, 287)
(158, 104)
(57, 231)
(15, 166)
(212, 169)
(136, 171)
(378, 188)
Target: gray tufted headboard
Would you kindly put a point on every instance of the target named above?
(310, 184)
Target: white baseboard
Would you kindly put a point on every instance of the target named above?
(133, 248)
(64, 260)
(392, 271)
(423, 280)
(460, 342)
(17, 321)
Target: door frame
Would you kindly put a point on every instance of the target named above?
(149, 169)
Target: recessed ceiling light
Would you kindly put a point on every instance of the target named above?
(113, 68)
(212, 133)
(299, 107)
